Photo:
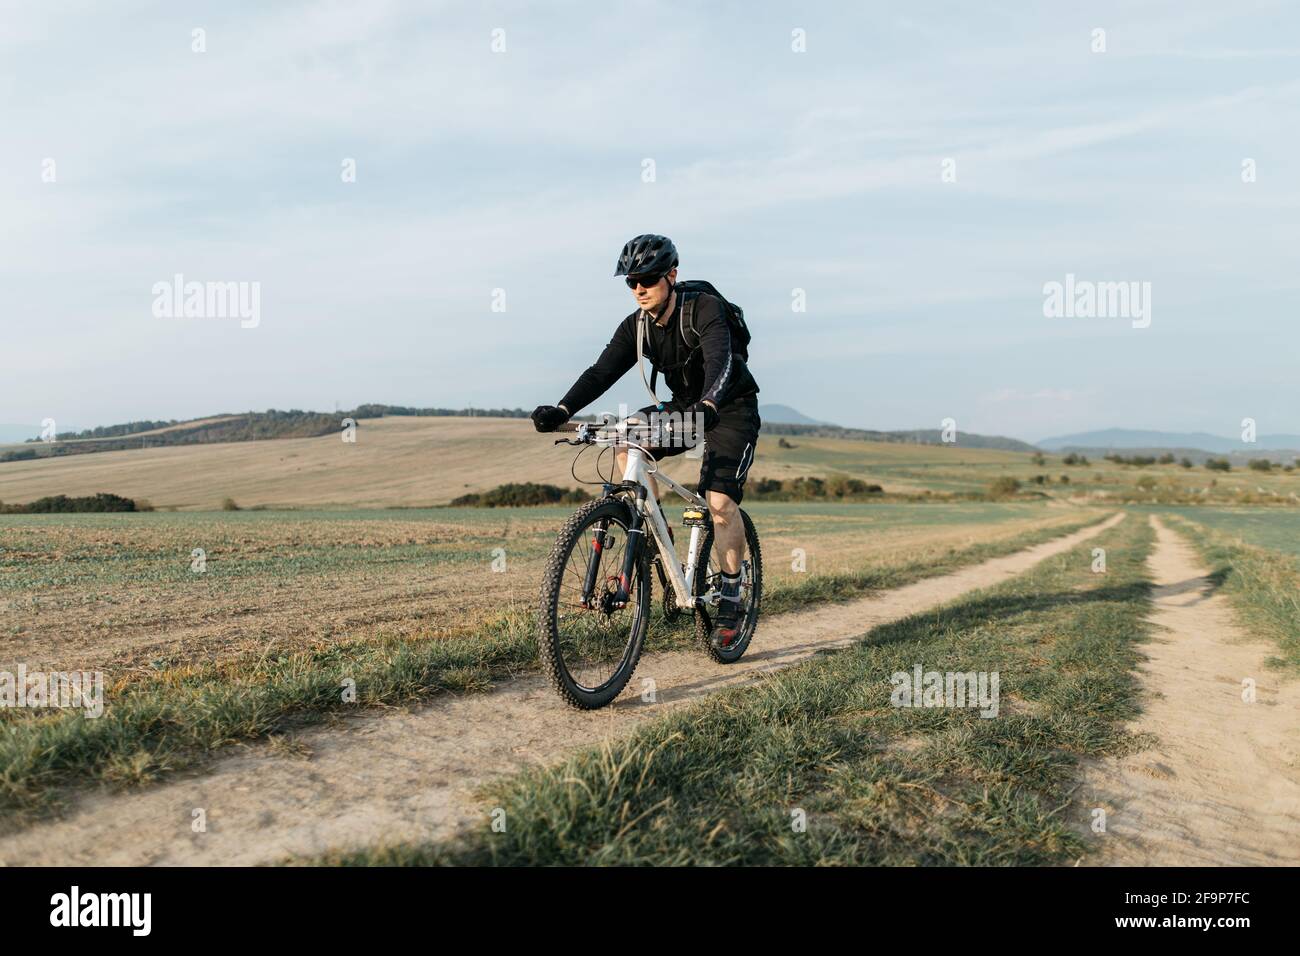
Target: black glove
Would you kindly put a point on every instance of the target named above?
(705, 409)
(547, 418)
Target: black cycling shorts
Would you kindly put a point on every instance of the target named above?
(728, 449)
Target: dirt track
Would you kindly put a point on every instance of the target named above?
(1222, 786)
(409, 776)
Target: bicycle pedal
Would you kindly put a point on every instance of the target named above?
(695, 517)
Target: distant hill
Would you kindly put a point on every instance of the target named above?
(1197, 456)
(294, 423)
(1133, 439)
(784, 420)
(785, 415)
(919, 436)
(250, 426)
(400, 461)
(214, 429)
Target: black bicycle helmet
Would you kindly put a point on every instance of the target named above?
(647, 255)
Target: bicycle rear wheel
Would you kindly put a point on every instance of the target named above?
(588, 641)
(708, 576)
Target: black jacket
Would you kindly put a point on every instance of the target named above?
(710, 370)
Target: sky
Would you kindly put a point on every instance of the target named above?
(913, 175)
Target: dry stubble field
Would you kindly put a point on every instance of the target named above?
(119, 593)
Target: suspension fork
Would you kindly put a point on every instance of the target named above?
(593, 562)
(635, 527)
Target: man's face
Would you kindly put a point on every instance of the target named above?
(656, 294)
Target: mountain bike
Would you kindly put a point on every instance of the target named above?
(596, 590)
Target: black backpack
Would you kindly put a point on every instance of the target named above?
(689, 290)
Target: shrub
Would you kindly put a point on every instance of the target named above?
(1218, 464)
(228, 504)
(1260, 464)
(1004, 487)
(521, 495)
(842, 486)
(62, 504)
(834, 488)
(806, 487)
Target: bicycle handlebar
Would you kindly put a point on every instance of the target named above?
(618, 426)
(588, 431)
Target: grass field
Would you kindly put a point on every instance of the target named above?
(1272, 528)
(118, 592)
(408, 462)
(277, 671)
(1254, 562)
(816, 766)
(411, 602)
(1254, 554)
(417, 462)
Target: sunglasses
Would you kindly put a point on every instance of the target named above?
(645, 282)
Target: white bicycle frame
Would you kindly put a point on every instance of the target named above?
(636, 471)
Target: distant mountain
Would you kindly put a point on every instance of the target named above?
(17, 433)
(1127, 438)
(919, 436)
(785, 415)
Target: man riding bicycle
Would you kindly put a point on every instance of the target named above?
(710, 382)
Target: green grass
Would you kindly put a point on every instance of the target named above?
(48, 551)
(107, 551)
(1277, 529)
(180, 718)
(1263, 585)
(717, 783)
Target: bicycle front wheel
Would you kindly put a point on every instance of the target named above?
(589, 639)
